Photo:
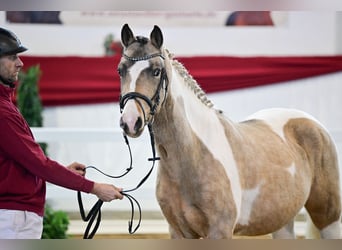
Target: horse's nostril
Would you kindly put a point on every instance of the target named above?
(123, 125)
(138, 124)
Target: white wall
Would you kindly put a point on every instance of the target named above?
(339, 33)
(306, 33)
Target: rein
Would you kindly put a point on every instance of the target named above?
(95, 211)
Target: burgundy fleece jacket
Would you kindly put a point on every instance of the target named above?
(24, 168)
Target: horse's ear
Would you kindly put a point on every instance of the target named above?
(127, 36)
(156, 37)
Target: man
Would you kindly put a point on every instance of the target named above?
(23, 166)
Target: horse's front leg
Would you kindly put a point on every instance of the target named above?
(222, 229)
(286, 232)
(220, 235)
(221, 213)
(179, 227)
(175, 234)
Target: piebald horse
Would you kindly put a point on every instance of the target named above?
(218, 178)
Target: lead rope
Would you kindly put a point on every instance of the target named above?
(95, 211)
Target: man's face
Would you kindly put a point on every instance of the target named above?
(10, 65)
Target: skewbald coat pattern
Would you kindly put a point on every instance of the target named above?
(218, 178)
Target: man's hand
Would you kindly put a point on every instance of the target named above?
(77, 168)
(107, 192)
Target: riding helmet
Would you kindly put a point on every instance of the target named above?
(10, 43)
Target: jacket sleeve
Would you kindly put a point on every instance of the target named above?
(18, 144)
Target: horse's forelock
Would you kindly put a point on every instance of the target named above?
(140, 47)
(142, 40)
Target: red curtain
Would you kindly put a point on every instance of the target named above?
(84, 80)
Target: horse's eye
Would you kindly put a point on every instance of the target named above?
(120, 72)
(156, 72)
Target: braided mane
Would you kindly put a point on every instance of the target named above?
(191, 82)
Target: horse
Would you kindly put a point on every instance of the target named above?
(218, 178)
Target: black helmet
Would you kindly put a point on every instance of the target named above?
(9, 43)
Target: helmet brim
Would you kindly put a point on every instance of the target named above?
(18, 50)
(21, 49)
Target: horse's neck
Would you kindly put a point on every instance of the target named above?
(185, 116)
(190, 137)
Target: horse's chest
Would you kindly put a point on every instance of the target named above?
(191, 206)
(186, 217)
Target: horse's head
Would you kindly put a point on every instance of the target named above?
(143, 79)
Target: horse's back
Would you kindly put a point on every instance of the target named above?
(298, 127)
(301, 130)
(278, 117)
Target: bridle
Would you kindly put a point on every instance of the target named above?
(153, 103)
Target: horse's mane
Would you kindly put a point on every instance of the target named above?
(190, 81)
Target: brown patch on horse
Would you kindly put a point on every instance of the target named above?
(266, 168)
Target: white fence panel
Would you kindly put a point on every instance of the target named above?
(111, 145)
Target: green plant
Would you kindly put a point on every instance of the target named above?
(55, 224)
(28, 99)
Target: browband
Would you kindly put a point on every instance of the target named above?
(142, 58)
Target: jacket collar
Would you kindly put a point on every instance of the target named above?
(6, 92)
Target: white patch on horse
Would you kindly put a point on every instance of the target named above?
(130, 112)
(276, 118)
(332, 231)
(210, 131)
(135, 71)
(291, 169)
(248, 198)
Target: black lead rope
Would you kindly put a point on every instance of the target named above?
(95, 211)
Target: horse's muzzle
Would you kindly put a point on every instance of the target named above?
(132, 128)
